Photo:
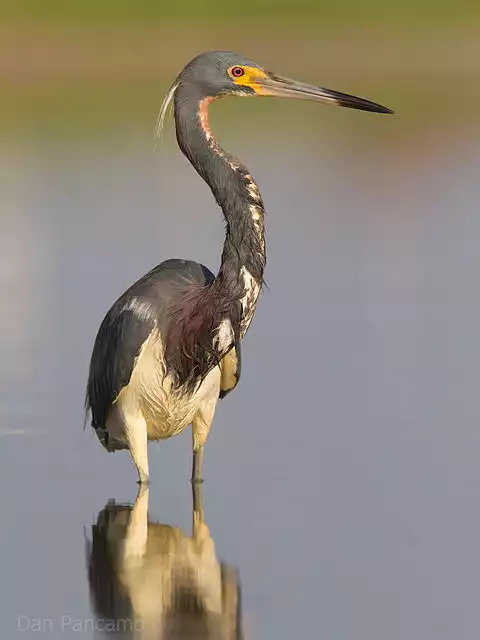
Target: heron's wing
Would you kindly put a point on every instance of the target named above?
(118, 343)
(128, 324)
(231, 368)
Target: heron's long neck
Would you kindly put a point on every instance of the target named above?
(243, 259)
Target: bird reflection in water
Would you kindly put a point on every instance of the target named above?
(149, 580)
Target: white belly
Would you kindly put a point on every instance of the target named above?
(149, 396)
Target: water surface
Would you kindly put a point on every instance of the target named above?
(343, 475)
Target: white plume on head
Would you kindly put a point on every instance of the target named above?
(167, 101)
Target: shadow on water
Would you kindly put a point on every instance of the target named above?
(151, 580)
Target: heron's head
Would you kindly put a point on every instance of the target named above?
(214, 74)
(219, 73)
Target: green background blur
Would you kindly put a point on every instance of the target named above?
(268, 11)
(71, 67)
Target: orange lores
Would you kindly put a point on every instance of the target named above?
(250, 79)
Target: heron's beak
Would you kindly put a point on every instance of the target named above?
(272, 85)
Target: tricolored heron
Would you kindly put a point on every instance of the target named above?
(169, 347)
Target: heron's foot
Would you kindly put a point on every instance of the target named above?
(142, 491)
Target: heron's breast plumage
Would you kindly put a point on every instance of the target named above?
(151, 394)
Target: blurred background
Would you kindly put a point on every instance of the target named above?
(343, 475)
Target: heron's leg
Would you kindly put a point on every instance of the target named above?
(197, 465)
(136, 432)
(200, 427)
(197, 506)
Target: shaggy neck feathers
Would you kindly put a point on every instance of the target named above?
(216, 317)
(243, 257)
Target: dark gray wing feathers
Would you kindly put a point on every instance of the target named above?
(118, 343)
(128, 324)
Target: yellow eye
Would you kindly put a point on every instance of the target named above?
(237, 72)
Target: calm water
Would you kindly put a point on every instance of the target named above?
(342, 477)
